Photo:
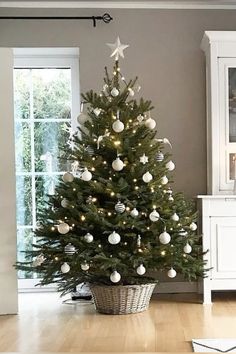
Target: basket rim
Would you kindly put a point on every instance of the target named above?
(121, 286)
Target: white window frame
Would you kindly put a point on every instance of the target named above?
(49, 58)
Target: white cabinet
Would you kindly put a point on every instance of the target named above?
(218, 215)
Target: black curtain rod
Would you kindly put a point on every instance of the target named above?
(105, 18)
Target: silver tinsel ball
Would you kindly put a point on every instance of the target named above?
(160, 156)
(119, 207)
(69, 249)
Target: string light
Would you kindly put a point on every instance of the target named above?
(136, 187)
(134, 131)
(128, 208)
(148, 228)
(163, 253)
(73, 225)
(56, 258)
(74, 189)
(94, 200)
(114, 72)
(130, 120)
(154, 206)
(139, 144)
(93, 158)
(93, 169)
(124, 222)
(123, 79)
(65, 217)
(112, 194)
(94, 139)
(134, 180)
(82, 218)
(104, 162)
(117, 142)
(53, 228)
(109, 213)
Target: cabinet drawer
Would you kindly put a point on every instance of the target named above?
(221, 207)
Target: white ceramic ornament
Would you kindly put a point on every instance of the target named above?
(119, 207)
(164, 238)
(114, 238)
(154, 216)
(82, 118)
(63, 228)
(175, 217)
(86, 175)
(117, 164)
(84, 266)
(69, 249)
(170, 165)
(115, 277)
(134, 213)
(141, 269)
(140, 118)
(147, 177)
(65, 268)
(97, 111)
(118, 126)
(150, 123)
(193, 226)
(88, 237)
(171, 273)
(65, 203)
(114, 92)
(160, 156)
(164, 180)
(68, 177)
(187, 248)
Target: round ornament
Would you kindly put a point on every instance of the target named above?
(118, 126)
(150, 123)
(170, 165)
(119, 207)
(114, 238)
(82, 118)
(164, 238)
(141, 269)
(164, 180)
(63, 228)
(175, 217)
(88, 238)
(187, 248)
(171, 273)
(115, 277)
(114, 92)
(86, 175)
(65, 203)
(90, 150)
(65, 268)
(117, 164)
(160, 156)
(69, 249)
(147, 177)
(97, 111)
(154, 216)
(193, 226)
(68, 177)
(84, 266)
(134, 213)
(171, 199)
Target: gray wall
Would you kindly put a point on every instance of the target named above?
(164, 52)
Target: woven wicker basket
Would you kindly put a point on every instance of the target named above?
(121, 300)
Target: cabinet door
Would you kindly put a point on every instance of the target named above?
(223, 247)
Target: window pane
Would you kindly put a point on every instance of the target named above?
(22, 147)
(22, 93)
(23, 200)
(44, 186)
(24, 243)
(51, 93)
(50, 140)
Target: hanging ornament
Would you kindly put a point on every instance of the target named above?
(75, 166)
(144, 159)
(86, 175)
(182, 232)
(171, 199)
(164, 180)
(170, 165)
(160, 156)
(114, 238)
(131, 92)
(84, 266)
(115, 277)
(187, 248)
(63, 228)
(65, 268)
(175, 217)
(90, 150)
(117, 49)
(38, 260)
(171, 273)
(150, 123)
(164, 141)
(65, 203)
(119, 207)
(118, 126)
(164, 238)
(97, 111)
(82, 118)
(114, 92)
(88, 238)
(100, 139)
(141, 269)
(69, 249)
(117, 164)
(139, 241)
(154, 216)
(67, 177)
(147, 177)
(140, 118)
(193, 226)
(134, 213)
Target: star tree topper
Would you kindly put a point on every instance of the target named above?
(117, 48)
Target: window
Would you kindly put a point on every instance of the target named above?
(46, 104)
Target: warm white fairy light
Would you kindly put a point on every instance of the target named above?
(134, 180)
(154, 206)
(112, 194)
(94, 200)
(53, 228)
(72, 206)
(136, 187)
(134, 131)
(65, 217)
(127, 208)
(73, 225)
(82, 218)
(117, 142)
(139, 144)
(130, 120)
(148, 228)
(93, 158)
(93, 169)
(123, 78)
(109, 213)
(56, 258)
(74, 189)
(163, 253)
(124, 222)
(104, 162)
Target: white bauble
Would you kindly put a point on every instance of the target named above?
(187, 248)
(119, 207)
(63, 228)
(114, 92)
(164, 238)
(170, 165)
(115, 277)
(141, 269)
(69, 249)
(86, 175)
(193, 226)
(171, 273)
(84, 266)
(150, 123)
(175, 217)
(82, 118)
(68, 177)
(164, 180)
(97, 111)
(114, 238)
(88, 237)
(65, 203)
(171, 199)
(65, 268)
(117, 164)
(134, 213)
(154, 216)
(147, 177)
(118, 126)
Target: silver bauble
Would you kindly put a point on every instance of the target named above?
(117, 164)
(69, 249)
(114, 238)
(187, 248)
(114, 92)
(88, 238)
(115, 277)
(68, 177)
(171, 273)
(160, 156)
(86, 175)
(141, 269)
(119, 207)
(118, 126)
(134, 213)
(63, 228)
(65, 268)
(164, 238)
(154, 216)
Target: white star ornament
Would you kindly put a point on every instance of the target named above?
(117, 49)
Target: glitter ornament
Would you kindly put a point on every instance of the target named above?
(82, 118)
(175, 217)
(119, 207)
(154, 216)
(187, 248)
(118, 126)
(67, 177)
(69, 249)
(114, 238)
(160, 156)
(65, 268)
(170, 165)
(171, 273)
(84, 266)
(115, 277)
(141, 269)
(88, 238)
(134, 213)
(86, 175)
(183, 232)
(114, 92)
(97, 111)
(140, 118)
(150, 123)
(147, 177)
(63, 228)
(164, 180)
(193, 226)
(117, 164)
(164, 238)
(65, 203)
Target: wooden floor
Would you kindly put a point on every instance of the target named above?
(45, 324)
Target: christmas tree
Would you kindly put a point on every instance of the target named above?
(114, 218)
